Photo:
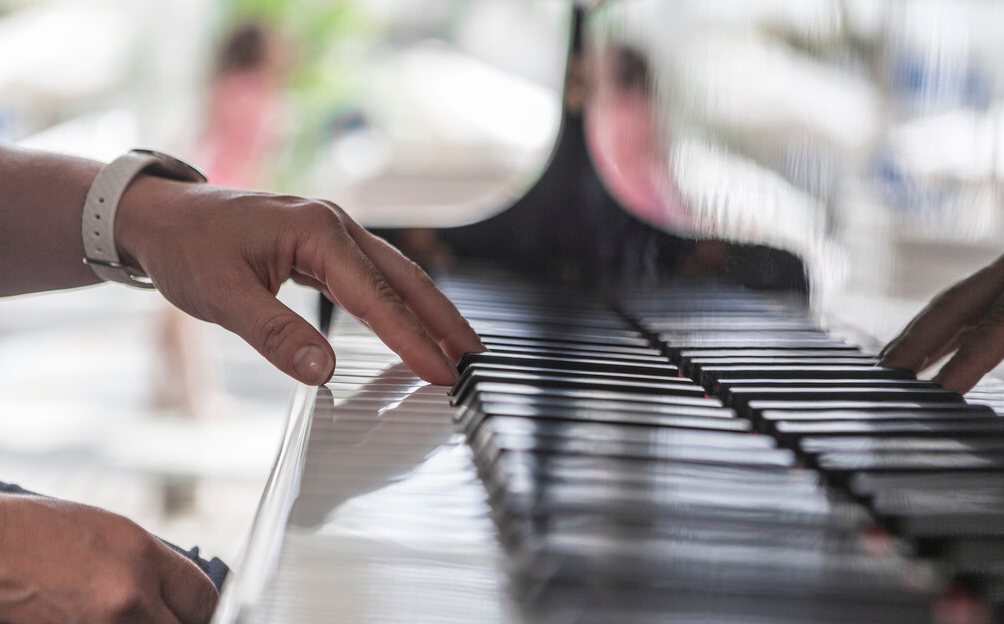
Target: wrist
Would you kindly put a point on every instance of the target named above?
(99, 222)
(142, 211)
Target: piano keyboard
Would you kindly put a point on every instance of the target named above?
(696, 453)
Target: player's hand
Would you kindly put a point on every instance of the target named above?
(64, 562)
(221, 255)
(968, 319)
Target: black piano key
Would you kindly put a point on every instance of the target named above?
(728, 569)
(725, 387)
(789, 432)
(513, 433)
(470, 419)
(846, 351)
(641, 400)
(514, 468)
(521, 337)
(711, 374)
(557, 331)
(740, 344)
(627, 358)
(707, 408)
(564, 373)
(719, 356)
(695, 367)
(496, 425)
(515, 464)
(574, 363)
(488, 446)
(766, 414)
(742, 337)
(567, 345)
(868, 484)
(539, 502)
(669, 387)
(822, 539)
(861, 444)
(749, 399)
(972, 555)
(713, 323)
(566, 318)
(840, 466)
(933, 514)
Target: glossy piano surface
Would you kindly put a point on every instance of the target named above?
(373, 510)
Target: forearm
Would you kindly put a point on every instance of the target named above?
(41, 197)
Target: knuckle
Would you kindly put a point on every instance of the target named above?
(320, 213)
(123, 601)
(382, 296)
(210, 598)
(273, 330)
(133, 538)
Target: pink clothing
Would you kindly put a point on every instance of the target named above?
(628, 151)
(240, 129)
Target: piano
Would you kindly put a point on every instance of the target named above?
(679, 418)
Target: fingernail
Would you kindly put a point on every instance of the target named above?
(313, 365)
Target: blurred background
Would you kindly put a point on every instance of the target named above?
(864, 136)
(403, 112)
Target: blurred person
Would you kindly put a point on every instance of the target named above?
(245, 112)
(628, 136)
(220, 255)
(242, 131)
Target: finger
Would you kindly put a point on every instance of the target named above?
(932, 332)
(939, 323)
(952, 346)
(982, 350)
(285, 339)
(163, 615)
(310, 282)
(434, 310)
(360, 288)
(185, 589)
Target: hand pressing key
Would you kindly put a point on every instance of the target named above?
(221, 255)
(967, 319)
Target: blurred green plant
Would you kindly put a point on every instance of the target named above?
(320, 83)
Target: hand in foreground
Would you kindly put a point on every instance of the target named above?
(967, 318)
(64, 562)
(221, 255)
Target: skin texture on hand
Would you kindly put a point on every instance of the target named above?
(221, 255)
(967, 319)
(64, 562)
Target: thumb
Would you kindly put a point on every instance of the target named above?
(282, 336)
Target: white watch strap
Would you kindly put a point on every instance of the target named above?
(102, 202)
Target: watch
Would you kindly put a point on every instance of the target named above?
(102, 202)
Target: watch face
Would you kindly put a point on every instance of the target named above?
(170, 167)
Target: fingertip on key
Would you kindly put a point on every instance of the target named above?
(313, 365)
